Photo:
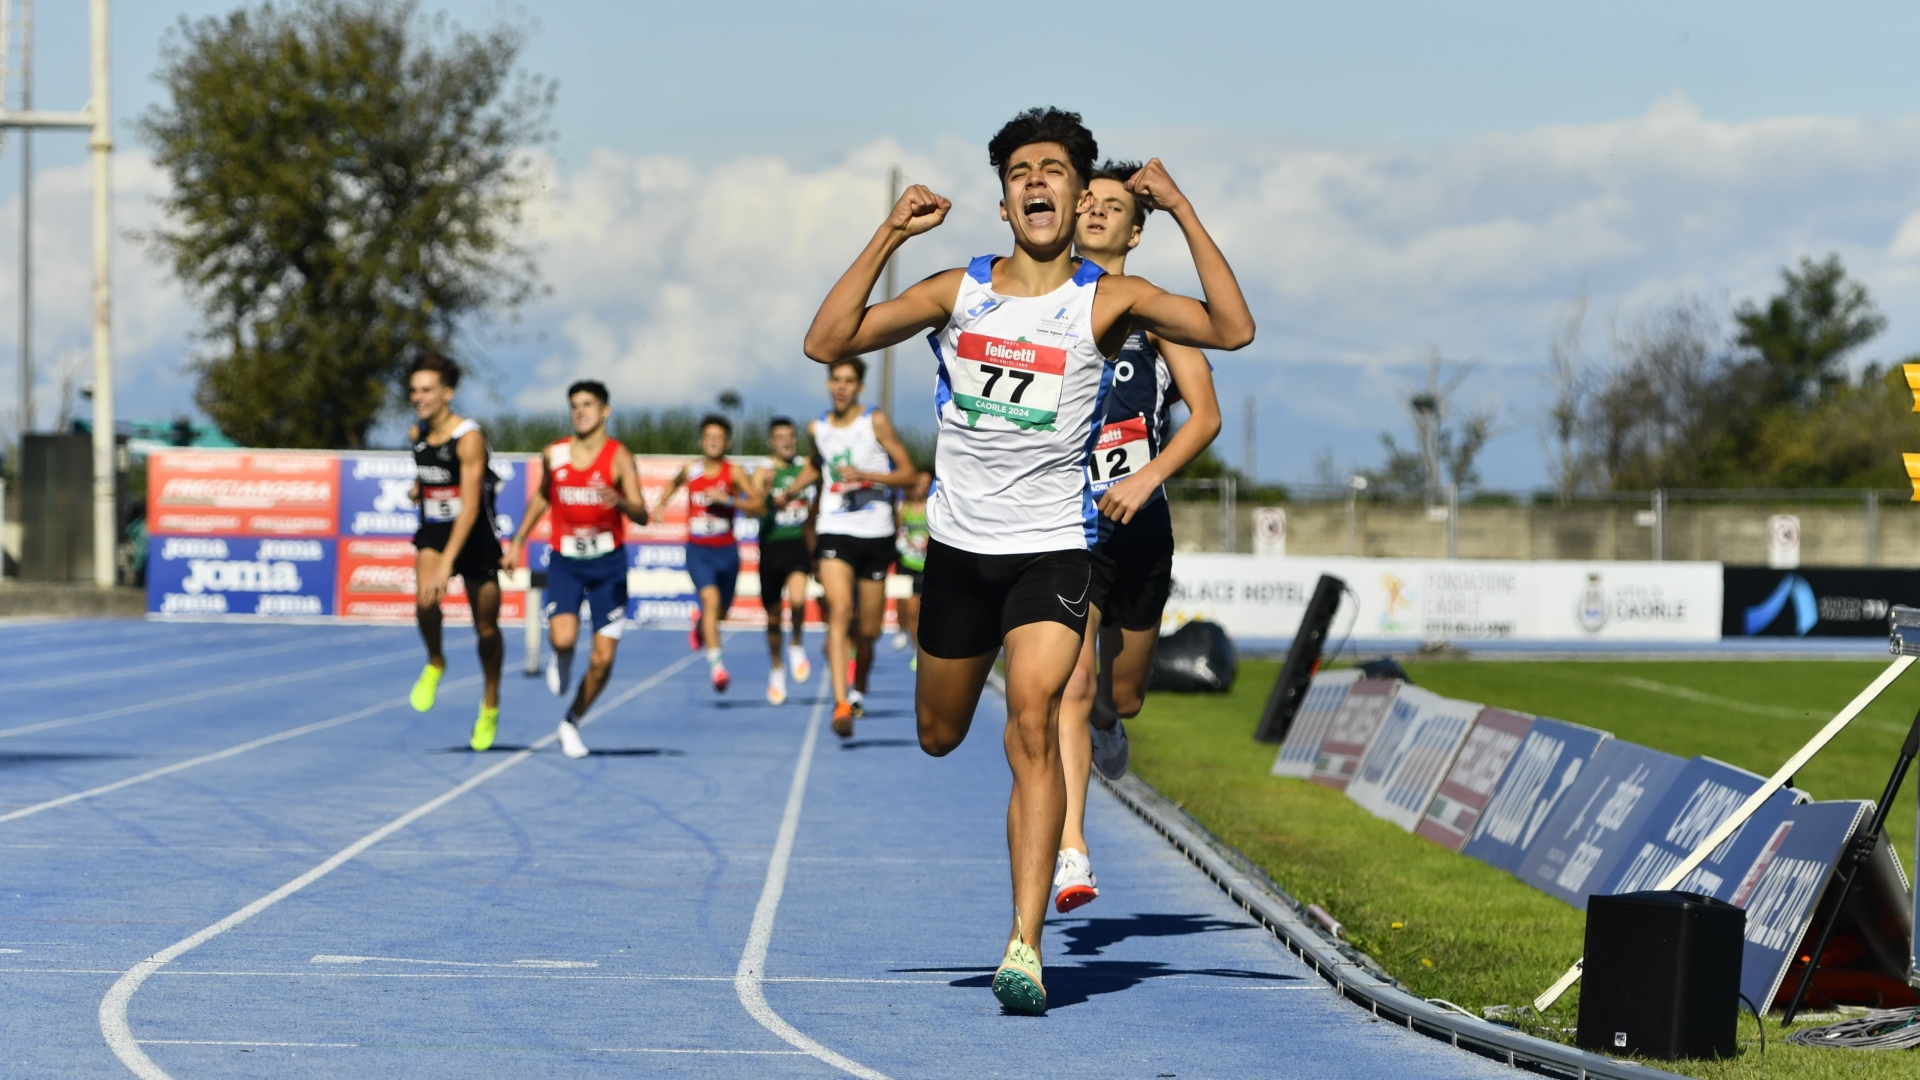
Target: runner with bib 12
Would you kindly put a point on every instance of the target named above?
(1023, 346)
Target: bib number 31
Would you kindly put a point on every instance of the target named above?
(1120, 452)
(1017, 381)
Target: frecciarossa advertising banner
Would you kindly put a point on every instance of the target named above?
(292, 534)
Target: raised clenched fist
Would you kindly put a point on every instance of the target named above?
(918, 210)
(1155, 188)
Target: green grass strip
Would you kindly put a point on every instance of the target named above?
(1451, 927)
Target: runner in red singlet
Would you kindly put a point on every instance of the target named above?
(716, 488)
(592, 488)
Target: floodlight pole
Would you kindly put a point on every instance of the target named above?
(105, 513)
(97, 117)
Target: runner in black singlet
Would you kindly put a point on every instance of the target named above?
(453, 485)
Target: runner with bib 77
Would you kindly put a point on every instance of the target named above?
(1024, 346)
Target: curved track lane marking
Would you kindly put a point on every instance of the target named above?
(113, 1007)
(747, 979)
(202, 695)
(218, 755)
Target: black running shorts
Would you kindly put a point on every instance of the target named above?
(868, 555)
(1133, 570)
(780, 560)
(969, 603)
(479, 558)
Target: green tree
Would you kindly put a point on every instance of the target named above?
(1797, 344)
(347, 184)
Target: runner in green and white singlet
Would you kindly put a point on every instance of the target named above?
(787, 489)
(1018, 391)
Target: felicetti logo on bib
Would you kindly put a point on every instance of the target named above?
(1017, 381)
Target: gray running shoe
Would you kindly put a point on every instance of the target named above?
(1110, 750)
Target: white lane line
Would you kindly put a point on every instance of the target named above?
(328, 958)
(114, 673)
(121, 649)
(231, 751)
(1700, 698)
(202, 695)
(356, 1046)
(749, 977)
(113, 1007)
(239, 1042)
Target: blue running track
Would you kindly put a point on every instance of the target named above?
(234, 851)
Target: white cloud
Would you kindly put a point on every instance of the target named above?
(673, 280)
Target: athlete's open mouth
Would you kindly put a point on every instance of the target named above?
(1038, 211)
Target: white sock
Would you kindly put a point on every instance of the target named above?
(713, 658)
(854, 697)
(778, 679)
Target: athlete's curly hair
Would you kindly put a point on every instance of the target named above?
(1123, 171)
(1045, 125)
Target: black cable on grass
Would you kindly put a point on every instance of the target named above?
(1883, 1029)
(1757, 1022)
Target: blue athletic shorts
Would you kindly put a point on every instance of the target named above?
(715, 566)
(601, 582)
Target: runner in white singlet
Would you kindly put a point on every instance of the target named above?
(861, 461)
(1023, 344)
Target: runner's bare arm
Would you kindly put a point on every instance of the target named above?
(679, 481)
(633, 499)
(536, 509)
(1195, 380)
(889, 440)
(755, 499)
(846, 325)
(1222, 321)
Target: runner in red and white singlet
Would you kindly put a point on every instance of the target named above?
(592, 488)
(716, 490)
(1011, 515)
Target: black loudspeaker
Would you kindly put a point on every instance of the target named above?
(1662, 976)
(1303, 659)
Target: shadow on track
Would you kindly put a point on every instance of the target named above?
(9, 761)
(1093, 935)
(1076, 984)
(863, 744)
(635, 751)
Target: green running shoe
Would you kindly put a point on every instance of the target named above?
(1017, 983)
(423, 688)
(485, 728)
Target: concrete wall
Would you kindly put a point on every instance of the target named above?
(1831, 534)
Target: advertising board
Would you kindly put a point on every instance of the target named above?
(1351, 731)
(1812, 602)
(1701, 797)
(1603, 812)
(1410, 755)
(1547, 765)
(1457, 600)
(241, 493)
(1476, 771)
(1323, 697)
(268, 577)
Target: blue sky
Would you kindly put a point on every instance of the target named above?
(1390, 177)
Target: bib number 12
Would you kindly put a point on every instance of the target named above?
(1121, 451)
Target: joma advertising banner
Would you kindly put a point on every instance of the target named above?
(1458, 600)
(241, 575)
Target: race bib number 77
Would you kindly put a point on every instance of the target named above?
(1017, 381)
